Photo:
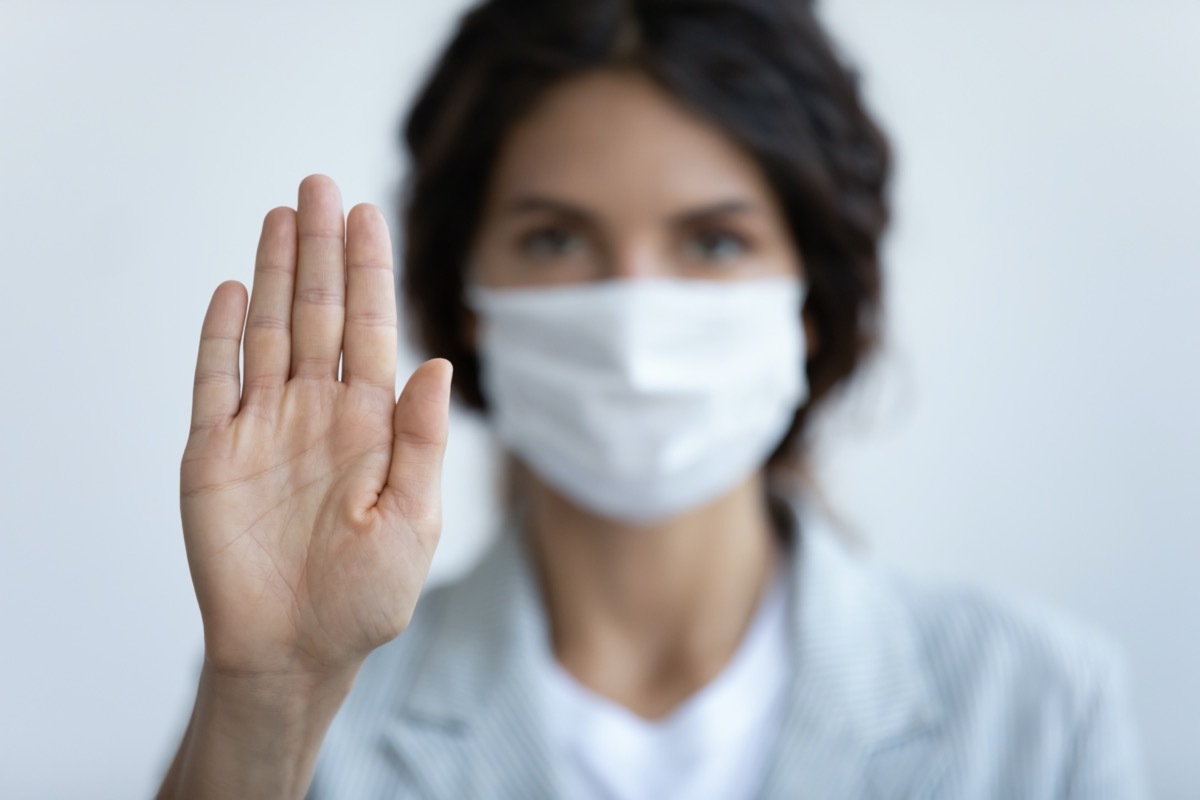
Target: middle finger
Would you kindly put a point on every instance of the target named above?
(319, 307)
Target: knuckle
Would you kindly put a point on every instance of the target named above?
(215, 377)
(372, 383)
(274, 268)
(268, 322)
(412, 440)
(207, 424)
(312, 233)
(314, 362)
(262, 383)
(370, 265)
(321, 296)
(213, 337)
(371, 319)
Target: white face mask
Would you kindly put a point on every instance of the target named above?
(638, 399)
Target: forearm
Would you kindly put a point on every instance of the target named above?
(254, 737)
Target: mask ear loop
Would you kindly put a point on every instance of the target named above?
(515, 491)
(783, 518)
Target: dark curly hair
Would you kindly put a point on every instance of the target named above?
(763, 71)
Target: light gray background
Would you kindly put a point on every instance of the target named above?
(1033, 425)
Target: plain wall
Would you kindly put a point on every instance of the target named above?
(1032, 424)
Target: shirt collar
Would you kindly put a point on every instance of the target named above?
(859, 695)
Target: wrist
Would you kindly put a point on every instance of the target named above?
(282, 693)
(259, 734)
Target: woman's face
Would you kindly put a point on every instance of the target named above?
(609, 177)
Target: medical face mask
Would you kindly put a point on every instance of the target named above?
(638, 399)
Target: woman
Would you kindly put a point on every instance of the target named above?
(647, 236)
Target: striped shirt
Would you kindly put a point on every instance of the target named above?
(901, 689)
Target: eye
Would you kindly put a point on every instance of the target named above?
(550, 243)
(715, 245)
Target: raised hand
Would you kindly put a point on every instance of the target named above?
(311, 503)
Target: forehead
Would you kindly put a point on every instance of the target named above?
(615, 138)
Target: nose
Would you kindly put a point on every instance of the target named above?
(632, 260)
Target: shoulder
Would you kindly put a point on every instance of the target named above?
(972, 636)
(972, 645)
(1025, 688)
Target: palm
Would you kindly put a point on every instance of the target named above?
(311, 514)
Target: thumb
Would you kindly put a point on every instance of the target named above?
(419, 430)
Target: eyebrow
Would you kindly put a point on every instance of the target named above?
(527, 204)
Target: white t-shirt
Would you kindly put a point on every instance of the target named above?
(715, 745)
